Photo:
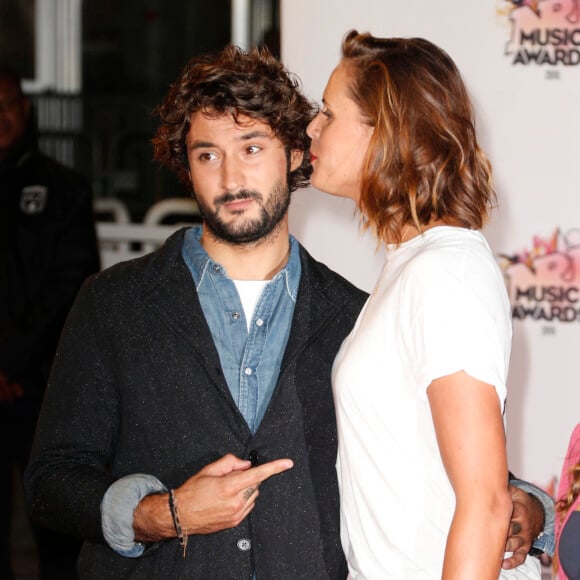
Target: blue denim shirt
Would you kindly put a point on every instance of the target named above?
(250, 360)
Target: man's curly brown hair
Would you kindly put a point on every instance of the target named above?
(235, 82)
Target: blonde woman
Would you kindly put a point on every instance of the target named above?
(568, 513)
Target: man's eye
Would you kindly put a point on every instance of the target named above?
(326, 113)
(253, 149)
(207, 156)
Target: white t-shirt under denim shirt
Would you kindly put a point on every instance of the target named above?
(439, 306)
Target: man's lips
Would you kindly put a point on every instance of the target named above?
(238, 204)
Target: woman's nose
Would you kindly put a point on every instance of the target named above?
(312, 129)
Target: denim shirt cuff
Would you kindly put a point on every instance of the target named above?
(546, 541)
(117, 507)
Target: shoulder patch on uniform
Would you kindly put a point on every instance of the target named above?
(33, 199)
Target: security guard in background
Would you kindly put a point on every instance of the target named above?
(48, 247)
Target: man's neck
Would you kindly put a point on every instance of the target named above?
(260, 260)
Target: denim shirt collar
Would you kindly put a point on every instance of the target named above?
(199, 262)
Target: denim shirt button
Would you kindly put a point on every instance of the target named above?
(259, 322)
(217, 269)
(236, 315)
(248, 371)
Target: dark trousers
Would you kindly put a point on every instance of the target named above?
(57, 553)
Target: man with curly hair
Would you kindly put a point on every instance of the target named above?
(189, 429)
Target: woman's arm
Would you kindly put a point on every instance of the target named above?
(470, 433)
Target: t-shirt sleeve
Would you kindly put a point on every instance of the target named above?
(461, 324)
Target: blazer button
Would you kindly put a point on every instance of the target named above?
(244, 544)
(253, 457)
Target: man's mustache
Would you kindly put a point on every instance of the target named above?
(244, 194)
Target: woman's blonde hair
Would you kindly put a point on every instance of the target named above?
(423, 161)
(565, 502)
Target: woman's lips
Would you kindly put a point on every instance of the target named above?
(313, 158)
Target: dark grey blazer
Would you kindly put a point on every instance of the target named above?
(137, 387)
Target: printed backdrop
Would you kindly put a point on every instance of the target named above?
(521, 62)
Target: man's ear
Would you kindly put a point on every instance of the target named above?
(296, 157)
(191, 184)
(26, 106)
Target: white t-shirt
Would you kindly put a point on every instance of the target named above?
(250, 292)
(439, 306)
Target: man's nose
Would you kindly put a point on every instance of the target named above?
(232, 173)
(8, 105)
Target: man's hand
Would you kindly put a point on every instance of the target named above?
(526, 523)
(217, 497)
(223, 493)
(9, 391)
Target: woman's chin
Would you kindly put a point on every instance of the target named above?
(322, 186)
(330, 191)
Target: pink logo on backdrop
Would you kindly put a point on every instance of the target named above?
(544, 279)
(543, 32)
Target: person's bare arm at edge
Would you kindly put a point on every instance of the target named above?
(217, 497)
(470, 433)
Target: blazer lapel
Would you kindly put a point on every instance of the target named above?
(314, 310)
(172, 299)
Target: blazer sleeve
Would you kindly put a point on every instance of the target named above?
(67, 476)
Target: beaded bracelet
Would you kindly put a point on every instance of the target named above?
(181, 536)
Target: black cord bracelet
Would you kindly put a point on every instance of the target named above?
(181, 536)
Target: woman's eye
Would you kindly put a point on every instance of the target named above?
(326, 113)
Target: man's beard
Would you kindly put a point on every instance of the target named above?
(271, 214)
